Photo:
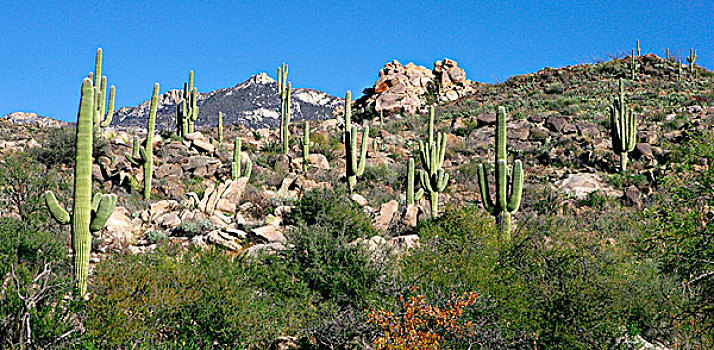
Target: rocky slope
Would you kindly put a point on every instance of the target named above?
(33, 118)
(253, 103)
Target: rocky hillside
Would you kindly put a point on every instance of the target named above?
(33, 118)
(253, 103)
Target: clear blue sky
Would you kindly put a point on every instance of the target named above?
(46, 48)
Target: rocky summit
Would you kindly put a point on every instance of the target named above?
(254, 103)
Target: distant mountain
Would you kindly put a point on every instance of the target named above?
(254, 103)
(33, 118)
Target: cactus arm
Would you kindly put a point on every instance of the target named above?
(484, 189)
(363, 152)
(410, 181)
(441, 142)
(220, 127)
(56, 210)
(501, 133)
(431, 125)
(104, 210)
(348, 112)
(425, 180)
(248, 167)
(110, 111)
(514, 201)
(95, 201)
(418, 194)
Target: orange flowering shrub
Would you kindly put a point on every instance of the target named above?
(419, 325)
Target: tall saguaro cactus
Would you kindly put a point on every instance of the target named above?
(508, 198)
(633, 65)
(411, 196)
(284, 89)
(691, 59)
(623, 127)
(187, 108)
(220, 127)
(144, 156)
(101, 116)
(354, 162)
(306, 143)
(89, 213)
(433, 178)
(235, 165)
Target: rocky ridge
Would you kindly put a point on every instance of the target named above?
(253, 103)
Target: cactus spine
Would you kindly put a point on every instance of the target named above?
(220, 127)
(355, 162)
(623, 127)
(505, 204)
(187, 108)
(433, 178)
(690, 60)
(89, 213)
(306, 146)
(235, 165)
(101, 116)
(144, 156)
(411, 196)
(284, 89)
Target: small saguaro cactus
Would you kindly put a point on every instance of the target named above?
(508, 198)
(411, 196)
(433, 178)
(623, 127)
(235, 165)
(638, 48)
(306, 143)
(101, 116)
(354, 162)
(144, 156)
(220, 127)
(90, 213)
(284, 90)
(187, 108)
(633, 64)
(666, 54)
(691, 59)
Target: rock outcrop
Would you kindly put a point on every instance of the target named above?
(403, 88)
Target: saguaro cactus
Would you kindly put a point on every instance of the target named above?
(284, 89)
(633, 64)
(348, 114)
(187, 108)
(508, 198)
(433, 178)
(305, 143)
(354, 163)
(623, 127)
(101, 116)
(411, 196)
(144, 156)
(220, 127)
(89, 213)
(690, 60)
(235, 165)
(638, 48)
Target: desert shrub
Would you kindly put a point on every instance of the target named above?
(418, 325)
(334, 210)
(34, 312)
(58, 147)
(192, 228)
(23, 180)
(561, 283)
(341, 272)
(680, 233)
(194, 299)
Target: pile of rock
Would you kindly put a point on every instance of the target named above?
(402, 88)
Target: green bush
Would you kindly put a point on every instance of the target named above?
(681, 231)
(35, 270)
(334, 210)
(58, 147)
(192, 228)
(193, 300)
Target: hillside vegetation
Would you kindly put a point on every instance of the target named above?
(325, 235)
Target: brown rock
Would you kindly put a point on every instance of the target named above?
(386, 215)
